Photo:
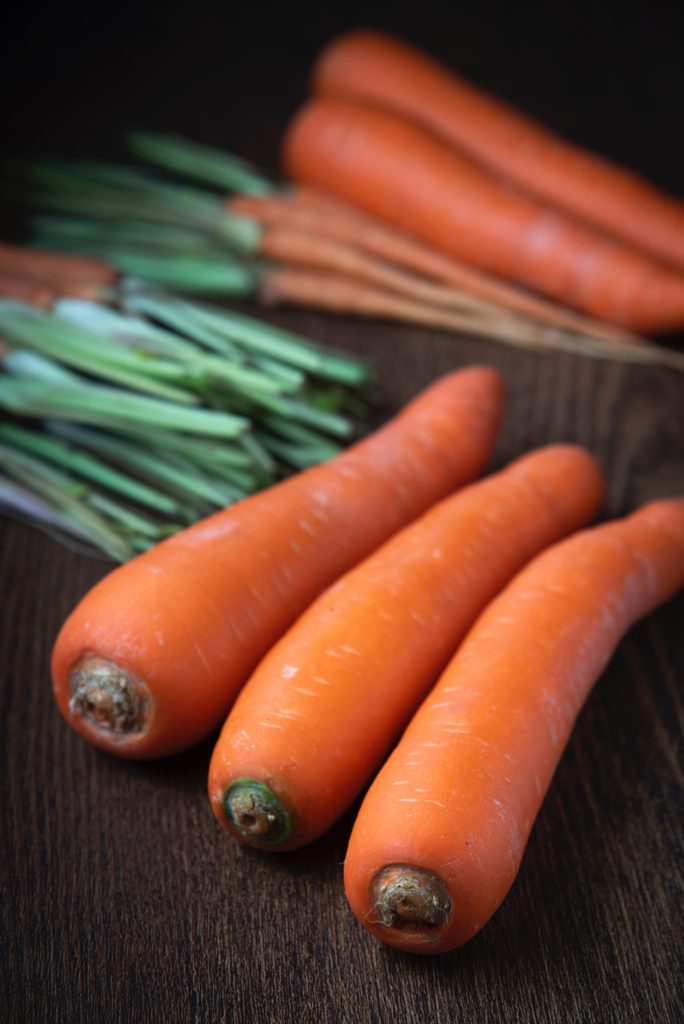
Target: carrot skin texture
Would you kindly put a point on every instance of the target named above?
(459, 795)
(192, 617)
(321, 710)
(397, 171)
(372, 66)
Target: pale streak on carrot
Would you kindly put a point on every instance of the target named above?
(287, 713)
(202, 656)
(305, 525)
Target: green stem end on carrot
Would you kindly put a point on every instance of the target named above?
(256, 813)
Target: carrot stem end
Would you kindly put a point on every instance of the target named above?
(108, 697)
(410, 899)
(256, 813)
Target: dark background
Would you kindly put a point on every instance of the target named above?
(124, 901)
(74, 80)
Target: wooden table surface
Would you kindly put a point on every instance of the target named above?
(124, 899)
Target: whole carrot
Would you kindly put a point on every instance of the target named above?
(374, 66)
(396, 170)
(321, 710)
(150, 660)
(442, 831)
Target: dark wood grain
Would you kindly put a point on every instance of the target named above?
(125, 901)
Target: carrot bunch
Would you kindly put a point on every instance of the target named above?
(297, 246)
(333, 604)
(403, 138)
(385, 599)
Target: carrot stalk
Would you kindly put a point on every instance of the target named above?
(79, 349)
(66, 495)
(397, 171)
(374, 66)
(56, 451)
(77, 233)
(186, 623)
(99, 404)
(203, 162)
(326, 703)
(220, 327)
(454, 804)
(124, 193)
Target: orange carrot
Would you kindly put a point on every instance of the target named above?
(315, 211)
(408, 251)
(64, 271)
(323, 707)
(150, 660)
(339, 293)
(315, 289)
(441, 833)
(397, 171)
(295, 246)
(23, 289)
(373, 66)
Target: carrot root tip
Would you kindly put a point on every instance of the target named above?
(410, 899)
(256, 813)
(108, 697)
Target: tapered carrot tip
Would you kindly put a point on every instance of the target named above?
(256, 813)
(108, 698)
(410, 900)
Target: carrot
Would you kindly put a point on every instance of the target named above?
(150, 660)
(441, 833)
(340, 293)
(311, 210)
(292, 246)
(323, 707)
(64, 271)
(397, 171)
(30, 291)
(373, 66)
